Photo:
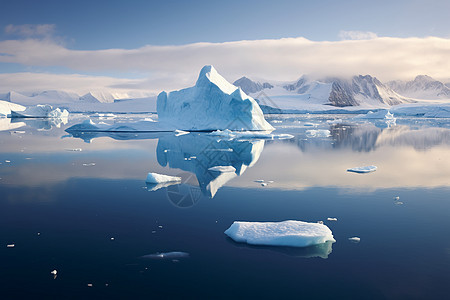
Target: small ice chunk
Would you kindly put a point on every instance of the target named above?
(321, 133)
(320, 222)
(75, 150)
(223, 169)
(263, 184)
(112, 239)
(160, 178)
(89, 164)
(331, 219)
(366, 169)
(180, 132)
(309, 124)
(259, 180)
(396, 198)
(286, 233)
(167, 255)
(7, 161)
(54, 272)
(90, 285)
(10, 246)
(335, 121)
(398, 203)
(354, 239)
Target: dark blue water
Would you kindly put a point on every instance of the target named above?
(61, 215)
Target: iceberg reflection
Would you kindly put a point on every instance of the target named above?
(197, 153)
(321, 250)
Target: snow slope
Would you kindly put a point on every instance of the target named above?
(212, 104)
(249, 86)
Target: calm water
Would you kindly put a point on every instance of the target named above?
(89, 214)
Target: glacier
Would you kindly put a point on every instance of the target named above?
(287, 233)
(212, 104)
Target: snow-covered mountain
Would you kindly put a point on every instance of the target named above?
(45, 97)
(422, 87)
(356, 91)
(249, 86)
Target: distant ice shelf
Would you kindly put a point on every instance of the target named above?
(286, 233)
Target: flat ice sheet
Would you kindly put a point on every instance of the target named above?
(286, 233)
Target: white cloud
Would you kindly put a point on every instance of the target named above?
(31, 30)
(357, 35)
(282, 59)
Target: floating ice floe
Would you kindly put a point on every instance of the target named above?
(180, 132)
(222, 169)
(40, 111)
(167, 255)
(331, 219)
(160, 178)
(54, 272)
(318, 133)
(212, 104)
(10, 246)
(335, 121)
(250, 134)
(366, 169)
(354, 239)
(286, 233)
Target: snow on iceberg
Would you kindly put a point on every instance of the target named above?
(287, 233)
(212, 104)
(40, 111)
(160, 178)
(366, 169)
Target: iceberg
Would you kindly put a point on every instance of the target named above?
(6, 107)
(366, 169)
(40, 111)
(286, 233)
(212, 104)
(381, 114)
(140, 126)
(159, 178)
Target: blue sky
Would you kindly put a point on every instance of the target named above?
(130, 24)
(156, 41)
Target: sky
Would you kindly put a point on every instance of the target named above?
(149, 45)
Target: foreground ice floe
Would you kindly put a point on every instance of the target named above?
(212, 104)
(222, 169)
(366, 169)
(287, 233)
(160, 178)
(40, 111)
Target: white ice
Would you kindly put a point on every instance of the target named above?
(250, 134)
(354, 239)
(318, 133)
(212, 104)
(366, 169)
(286, 233)
(222, 169)
(160, 178)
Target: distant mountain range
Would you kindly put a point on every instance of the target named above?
(356, 91)
(422, 87)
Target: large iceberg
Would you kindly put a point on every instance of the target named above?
(6, 107)
(287, 233)
(40, 111)
(212, 104)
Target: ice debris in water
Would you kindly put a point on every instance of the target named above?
(250, 134)
(354, 239)
(286, 233)
(40, 111)
(331, 219)
(223, 169)
(10, 246)
(318, 133)
(366, 169)
(54, 272)
(263, 184)
(396, 198)
(89, 164)
(160, 178)
(75, 150)
(167, 255)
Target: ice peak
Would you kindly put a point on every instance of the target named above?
(209, 75)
